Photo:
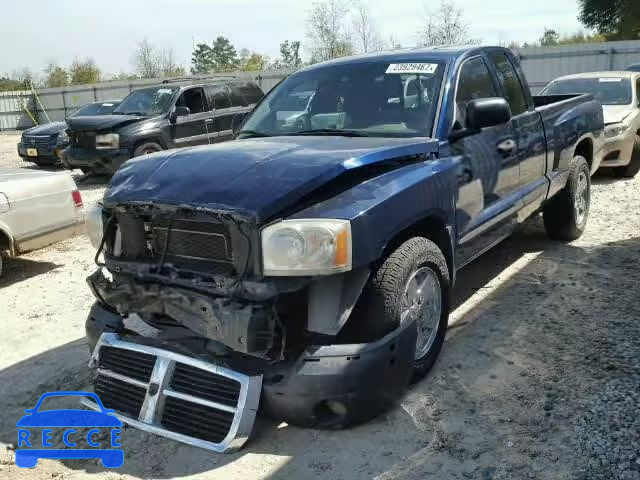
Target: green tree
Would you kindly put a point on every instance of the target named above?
(224, 54)
(290, 54)
(615, 19)
(8, 84)
(326, 30)
(56, 76)
(83, 72)
(252, 61)
(549, 37)
(202, 59)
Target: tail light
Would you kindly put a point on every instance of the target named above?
(77, 198)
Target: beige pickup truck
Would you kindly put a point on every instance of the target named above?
(37, 209)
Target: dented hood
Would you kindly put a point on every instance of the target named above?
(101, 122)
(254, 177)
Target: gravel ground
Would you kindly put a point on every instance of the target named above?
(539, 377)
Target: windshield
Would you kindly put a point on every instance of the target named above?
(146, 101)
(373, 99)
(607, 90)
(95, 109)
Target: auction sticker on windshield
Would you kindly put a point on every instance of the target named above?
(412, 68)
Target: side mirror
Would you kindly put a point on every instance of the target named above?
(482, 113)
(179, 112)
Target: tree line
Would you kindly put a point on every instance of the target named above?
(335, 28)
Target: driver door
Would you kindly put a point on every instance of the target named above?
(190, 129)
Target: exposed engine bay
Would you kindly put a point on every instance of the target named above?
(193, 272)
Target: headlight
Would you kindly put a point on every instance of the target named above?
(63, 137)
(306, 247)
(614, 129)
(95, 229)
(107, 141)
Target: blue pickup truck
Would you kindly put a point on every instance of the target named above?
(305, 269)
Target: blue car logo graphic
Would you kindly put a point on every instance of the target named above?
(69, 420)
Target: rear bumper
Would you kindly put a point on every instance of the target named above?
(106, 161)
(326, 386)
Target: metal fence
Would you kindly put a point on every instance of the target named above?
(543, 64)
(18, 110)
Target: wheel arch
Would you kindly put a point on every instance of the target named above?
(149, 138)
(584, 148)
(433, 227)
(6, 242)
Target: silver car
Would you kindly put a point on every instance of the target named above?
(619, 94)
(37, 209)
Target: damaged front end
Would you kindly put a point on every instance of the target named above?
(186, 326)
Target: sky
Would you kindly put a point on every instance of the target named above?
(36, 32)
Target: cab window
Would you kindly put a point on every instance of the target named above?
(510, 83)
(474, 82)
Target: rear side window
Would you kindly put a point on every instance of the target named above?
(218, 96)
(237, 100)
(475, 82)
(510, 83)
(251, 92)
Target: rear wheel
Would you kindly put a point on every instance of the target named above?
(630, 170)
(412, 285)
(146, 148)
(565, 215)
(1, 264)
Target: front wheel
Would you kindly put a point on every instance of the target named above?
(146, 148)
(565, 215)
(411, 285)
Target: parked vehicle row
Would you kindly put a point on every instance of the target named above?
(170, 115)
(305, 269)
(43, 144)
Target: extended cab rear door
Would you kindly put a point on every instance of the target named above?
(527, 123)
(488, 177)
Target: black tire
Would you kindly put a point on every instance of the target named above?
(379, 309)
(147, 148)
(1, 264)
(630, 170)
(561, 220)
(85, 170)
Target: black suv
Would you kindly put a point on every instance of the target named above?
(170, 115)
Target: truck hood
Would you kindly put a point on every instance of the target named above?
(46, 129)
(101, 122)
(616, 113)
(258, 177)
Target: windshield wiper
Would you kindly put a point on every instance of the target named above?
(140, 114)
(252, 133)
(331, 131)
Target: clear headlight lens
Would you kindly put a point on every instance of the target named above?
(107, 141)
(63, 137)
(306, 247)
(614, 129)
(95, 228)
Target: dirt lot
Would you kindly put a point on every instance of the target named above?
(539, 376)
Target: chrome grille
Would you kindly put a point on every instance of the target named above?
(36, 141)
(183, 398)
(134, 364)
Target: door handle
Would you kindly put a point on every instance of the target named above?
(506, 147)
(209, 120)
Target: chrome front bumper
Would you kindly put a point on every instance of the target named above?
(157, 391)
